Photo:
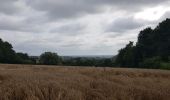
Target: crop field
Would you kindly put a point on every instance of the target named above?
(33, 82)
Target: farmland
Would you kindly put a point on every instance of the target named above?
(40, 82)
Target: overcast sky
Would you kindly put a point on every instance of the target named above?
(77, 27)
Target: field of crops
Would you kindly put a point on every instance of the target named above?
(33, 82)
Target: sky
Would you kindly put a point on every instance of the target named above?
(77, 27)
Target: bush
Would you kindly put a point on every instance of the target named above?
(49, 58)
(23, 58)
(154, 62)
(165, 66)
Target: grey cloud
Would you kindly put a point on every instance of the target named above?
(72, 45)
(166, 15)
(64, 8)
(7, 24)
(8, 6)
(14, 23)
(71, 8)
(35, 14)
(36, 47)
(124, 24)
(69, 29)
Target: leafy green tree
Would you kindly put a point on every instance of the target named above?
(154, 62)
(145, 43)
(151, 44)
(126, 56)
(49, 58)
(7, 54)
(162, 39)
(23, 58)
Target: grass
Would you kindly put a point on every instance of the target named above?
(33, 82)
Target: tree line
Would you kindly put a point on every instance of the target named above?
(8, 55)
(152, 50)
(89, 61)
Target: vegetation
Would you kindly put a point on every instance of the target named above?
(152, 49)
(23, 58)
(33, 82)
(49, 58)
(8, 55)
(88, 61)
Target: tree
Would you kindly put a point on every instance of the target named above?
(49, 58)
(23, 58)
(162, 38)
(126, 56)
(145, 43)
(7, 54)
(151, 45)
(154, 62)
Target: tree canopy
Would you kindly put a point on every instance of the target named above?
(153, 45)
(152, 50)
(8, 55)
(49, 58)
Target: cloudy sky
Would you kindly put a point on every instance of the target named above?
(77, 27)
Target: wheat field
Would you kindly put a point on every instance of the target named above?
(33, 82)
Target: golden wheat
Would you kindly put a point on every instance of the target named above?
(33, 82)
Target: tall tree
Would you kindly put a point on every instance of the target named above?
(126, 56)
(7, 54)
(151, 45)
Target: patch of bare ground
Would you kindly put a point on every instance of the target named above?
(33, 82)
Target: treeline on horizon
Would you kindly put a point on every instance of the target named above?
(152, 50)
(9, 56)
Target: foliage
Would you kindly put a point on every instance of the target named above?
(165, 65)
(49, 58)
(126, 56)
(23, 58)
(154, 62)
(7, 54)
(88, 61)
(151, 50)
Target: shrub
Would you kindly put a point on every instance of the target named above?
(154, 62)
(165, 66)
(49, 58)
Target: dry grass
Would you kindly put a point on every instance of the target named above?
(27, 82)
